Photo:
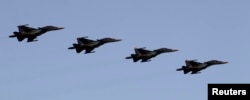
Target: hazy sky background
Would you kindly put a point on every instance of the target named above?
(47, 70)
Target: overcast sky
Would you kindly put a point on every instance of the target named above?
(47, 70)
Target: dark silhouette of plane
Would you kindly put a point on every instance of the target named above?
(145, 55)
(89, 45)
(195, 67)
(32, 33)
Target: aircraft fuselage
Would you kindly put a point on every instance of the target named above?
(32, 33)
(197, 67)
(151, 54)
(92, 44)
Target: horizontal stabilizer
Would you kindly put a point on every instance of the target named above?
(133, 56)
(15, 35)
(11, 36)
(129, 57)
(180, 69)
(185, 70)
(74, 46)
(71, 48)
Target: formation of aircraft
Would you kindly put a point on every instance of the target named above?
(145, 55)
(195, 67)
(89, 45)
(32, 33)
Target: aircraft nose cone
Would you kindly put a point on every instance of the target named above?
(60, 28)
(118, 39)
(224, 62)
(175, 50)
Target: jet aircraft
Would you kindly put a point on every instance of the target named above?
(32, 33)
(145, 55)
(89, 45)
(195, 67)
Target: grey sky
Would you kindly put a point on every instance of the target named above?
(47, 70)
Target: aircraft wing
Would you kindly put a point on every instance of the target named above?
(89, 50)
(192, 63)
(145, 59)
(31, 38)
(187, 63)
(83, 40)
(195, 71)
(78, 50)
(141, 51)
(25, 28)
(20, 38)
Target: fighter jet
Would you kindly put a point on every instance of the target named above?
(89, 45)
(32, 33)
(195, 67)
(145, 55)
